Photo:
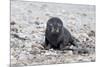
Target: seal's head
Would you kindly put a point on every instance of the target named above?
(54, 25)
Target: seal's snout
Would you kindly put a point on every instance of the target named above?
(55, 30)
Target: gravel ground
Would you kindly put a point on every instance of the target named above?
(28, 24)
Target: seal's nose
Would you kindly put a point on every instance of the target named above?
(54, 30)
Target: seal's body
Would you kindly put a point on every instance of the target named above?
(56, 36)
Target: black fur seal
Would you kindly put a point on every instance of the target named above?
(56, 35)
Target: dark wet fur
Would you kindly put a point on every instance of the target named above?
(57, 40)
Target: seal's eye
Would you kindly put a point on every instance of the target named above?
(57, 30)
(51, 24)
(52, 29)
(59, 25)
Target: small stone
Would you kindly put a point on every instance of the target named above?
(30, 56)
(87, 39)
(12, 23)
(84, 14)
(29, 11)
(72, 17)
(91, 33)
(22, 46)
(37, 45)
(63, 11)
(35, 51)
(23, 57)
(13, 60)
(29, 49)
(84, 24)
(14, 30)
(70, 52)
(37, 23)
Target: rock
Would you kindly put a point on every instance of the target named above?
(28, 45)
(91, 33)
(30, 57)
(37, 45)
(29, 49)
(13, 44)
(12, 23)
(35, 51)
(30, 11)
(50, 53)
(14, 30)
(63, 11)
(36, 22)
(13, 60)
(23, 58)
(72, 17)
(84, 14)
